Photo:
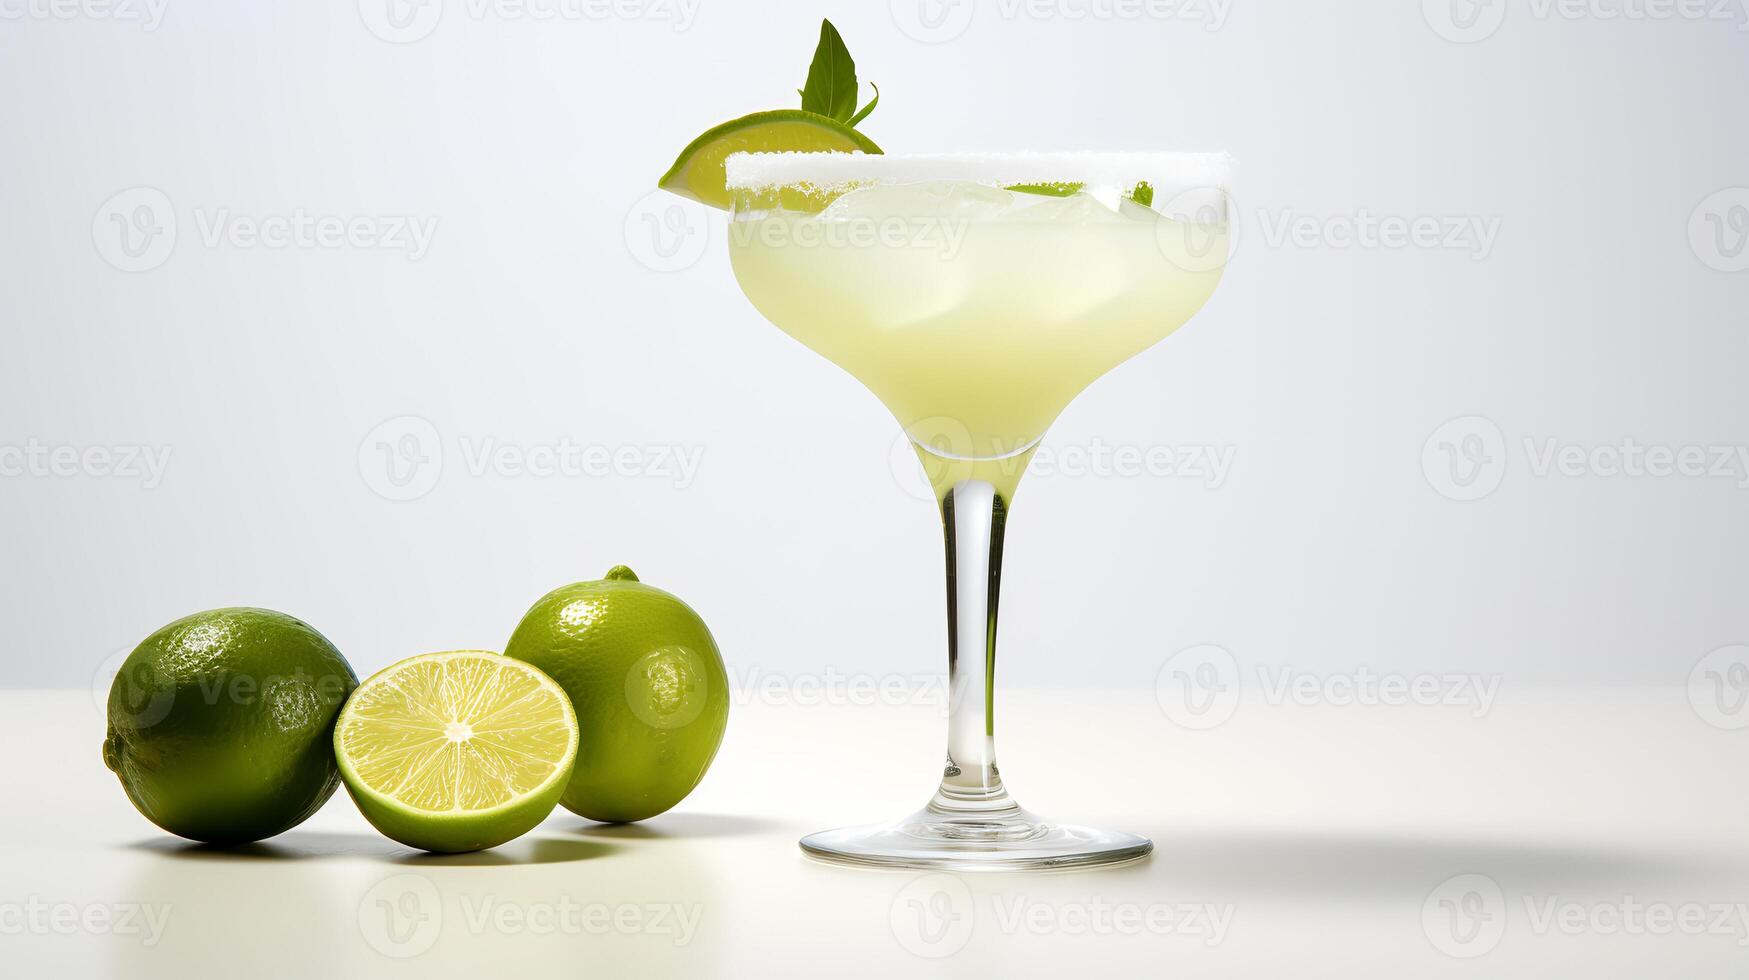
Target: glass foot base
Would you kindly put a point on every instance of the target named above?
(1012, 840)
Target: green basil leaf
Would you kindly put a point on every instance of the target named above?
(831, 86)
(862, 113)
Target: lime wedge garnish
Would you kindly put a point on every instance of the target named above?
(456, 751)
(1053, 189)
(698, 173)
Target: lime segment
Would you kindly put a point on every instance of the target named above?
(698, 173)
(457, 751)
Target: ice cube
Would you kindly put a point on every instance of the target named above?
(1074, 209)
(968, 201)
(1137, 212)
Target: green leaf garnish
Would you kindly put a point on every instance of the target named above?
(1048, 190)
(1143, 194)
(831, 86)
(862, 113)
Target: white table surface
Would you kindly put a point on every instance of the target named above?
(1608, 828)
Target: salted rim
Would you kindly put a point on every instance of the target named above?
(827, 170)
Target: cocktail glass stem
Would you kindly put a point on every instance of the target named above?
(973, 513)
(971, 823)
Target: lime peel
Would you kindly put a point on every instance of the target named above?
(698, 171)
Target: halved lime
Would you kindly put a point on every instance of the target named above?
(456, 751)
(698, 173)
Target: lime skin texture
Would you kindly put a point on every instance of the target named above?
(221, 724)
(647, 683)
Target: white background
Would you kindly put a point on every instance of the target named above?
(1609, 305)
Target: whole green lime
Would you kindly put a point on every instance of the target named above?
(221, 724)
(648, 686)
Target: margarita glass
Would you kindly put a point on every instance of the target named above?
(976, 296)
